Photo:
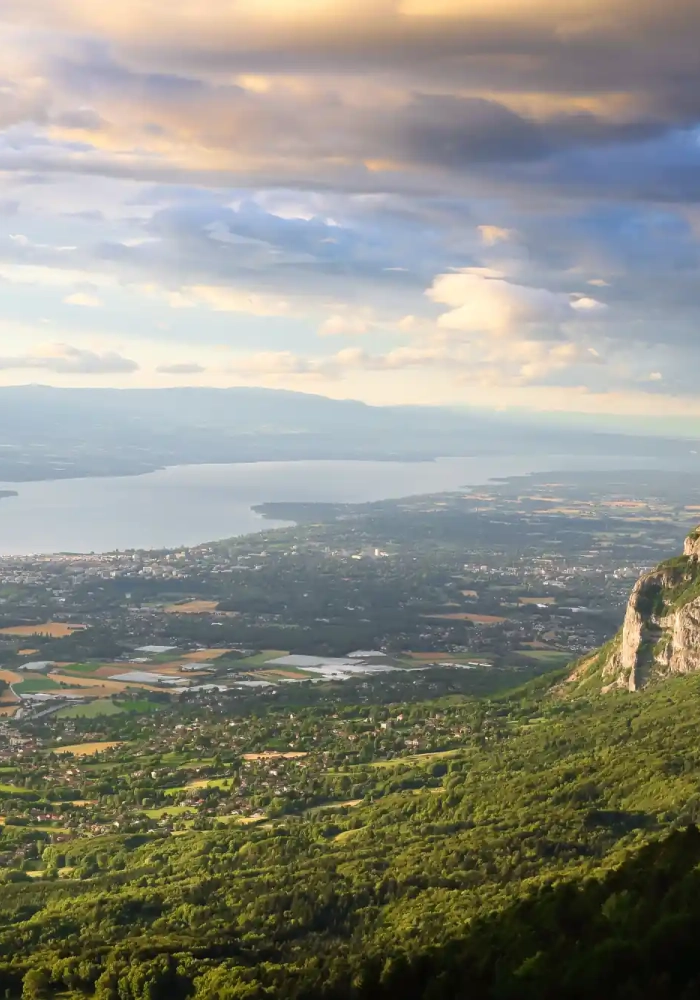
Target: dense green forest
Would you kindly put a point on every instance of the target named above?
(489, 869)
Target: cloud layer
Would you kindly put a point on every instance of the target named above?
(64, 359)
(482, 200)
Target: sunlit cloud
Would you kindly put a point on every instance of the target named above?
(64, 359)
(83, 299)
(499, 196)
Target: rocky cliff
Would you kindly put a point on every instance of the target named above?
(660, 635)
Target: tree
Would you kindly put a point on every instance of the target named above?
(35, 985)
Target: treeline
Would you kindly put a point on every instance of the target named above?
(631, 935)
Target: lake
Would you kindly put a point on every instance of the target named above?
(186, 505)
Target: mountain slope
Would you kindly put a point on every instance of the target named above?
(540, 791)
(630, 934)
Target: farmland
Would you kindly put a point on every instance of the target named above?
(33, 685)
(454, 594)
(91, 709)
(50, 630)
(465, 616)
(87, 749)
(193, 607)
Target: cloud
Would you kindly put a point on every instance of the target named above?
(507, 86)
(307, 169)
(229, 300)
(526, 362)
(584, 303)
(340, 324)
(64, 359)
(183, 368)
(580, 48)
(84, 299)
(484, 304)
(492, 235)
(454, 132)
(278, 363)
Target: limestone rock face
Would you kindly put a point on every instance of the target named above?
(692, 545)
(682, 654)
(660, 635)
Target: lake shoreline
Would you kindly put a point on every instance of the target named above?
(186, 506)
(53, 476)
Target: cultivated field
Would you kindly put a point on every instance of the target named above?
(78, 668)
(205, 654)
(170, 669)
(276, 673)
(11, 676)
(191, 608)
(54, 630)
(449, 658)
(87, 749)
(554, 657)
(8, 699)
(263, 657)
(477, 619)
(90, 710)
(93, 687)
(35, 685)
(274, 755)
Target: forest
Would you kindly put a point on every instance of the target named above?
(535, 848)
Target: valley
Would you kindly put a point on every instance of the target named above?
(319, 761)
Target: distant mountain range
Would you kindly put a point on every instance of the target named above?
(51, 433)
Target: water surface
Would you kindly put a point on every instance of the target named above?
(186, 505)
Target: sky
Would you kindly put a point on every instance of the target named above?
(492, 203)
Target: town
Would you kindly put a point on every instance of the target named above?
(465, 592)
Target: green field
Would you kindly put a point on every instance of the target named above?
(552, 657)
(416, 758)
(15, 790)
(45, 827)
(213, 783)
(91, 710)
(174, 791)
(174, 654)
(195, 785)
(165, 810)
(139, 705)
(261, 658)
(264, 672)
(185, 760)
(33, 685)
(82, 668)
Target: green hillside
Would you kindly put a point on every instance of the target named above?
(540, 791)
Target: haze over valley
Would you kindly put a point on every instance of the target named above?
(49, 433)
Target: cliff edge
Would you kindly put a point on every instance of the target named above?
(660, 635)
